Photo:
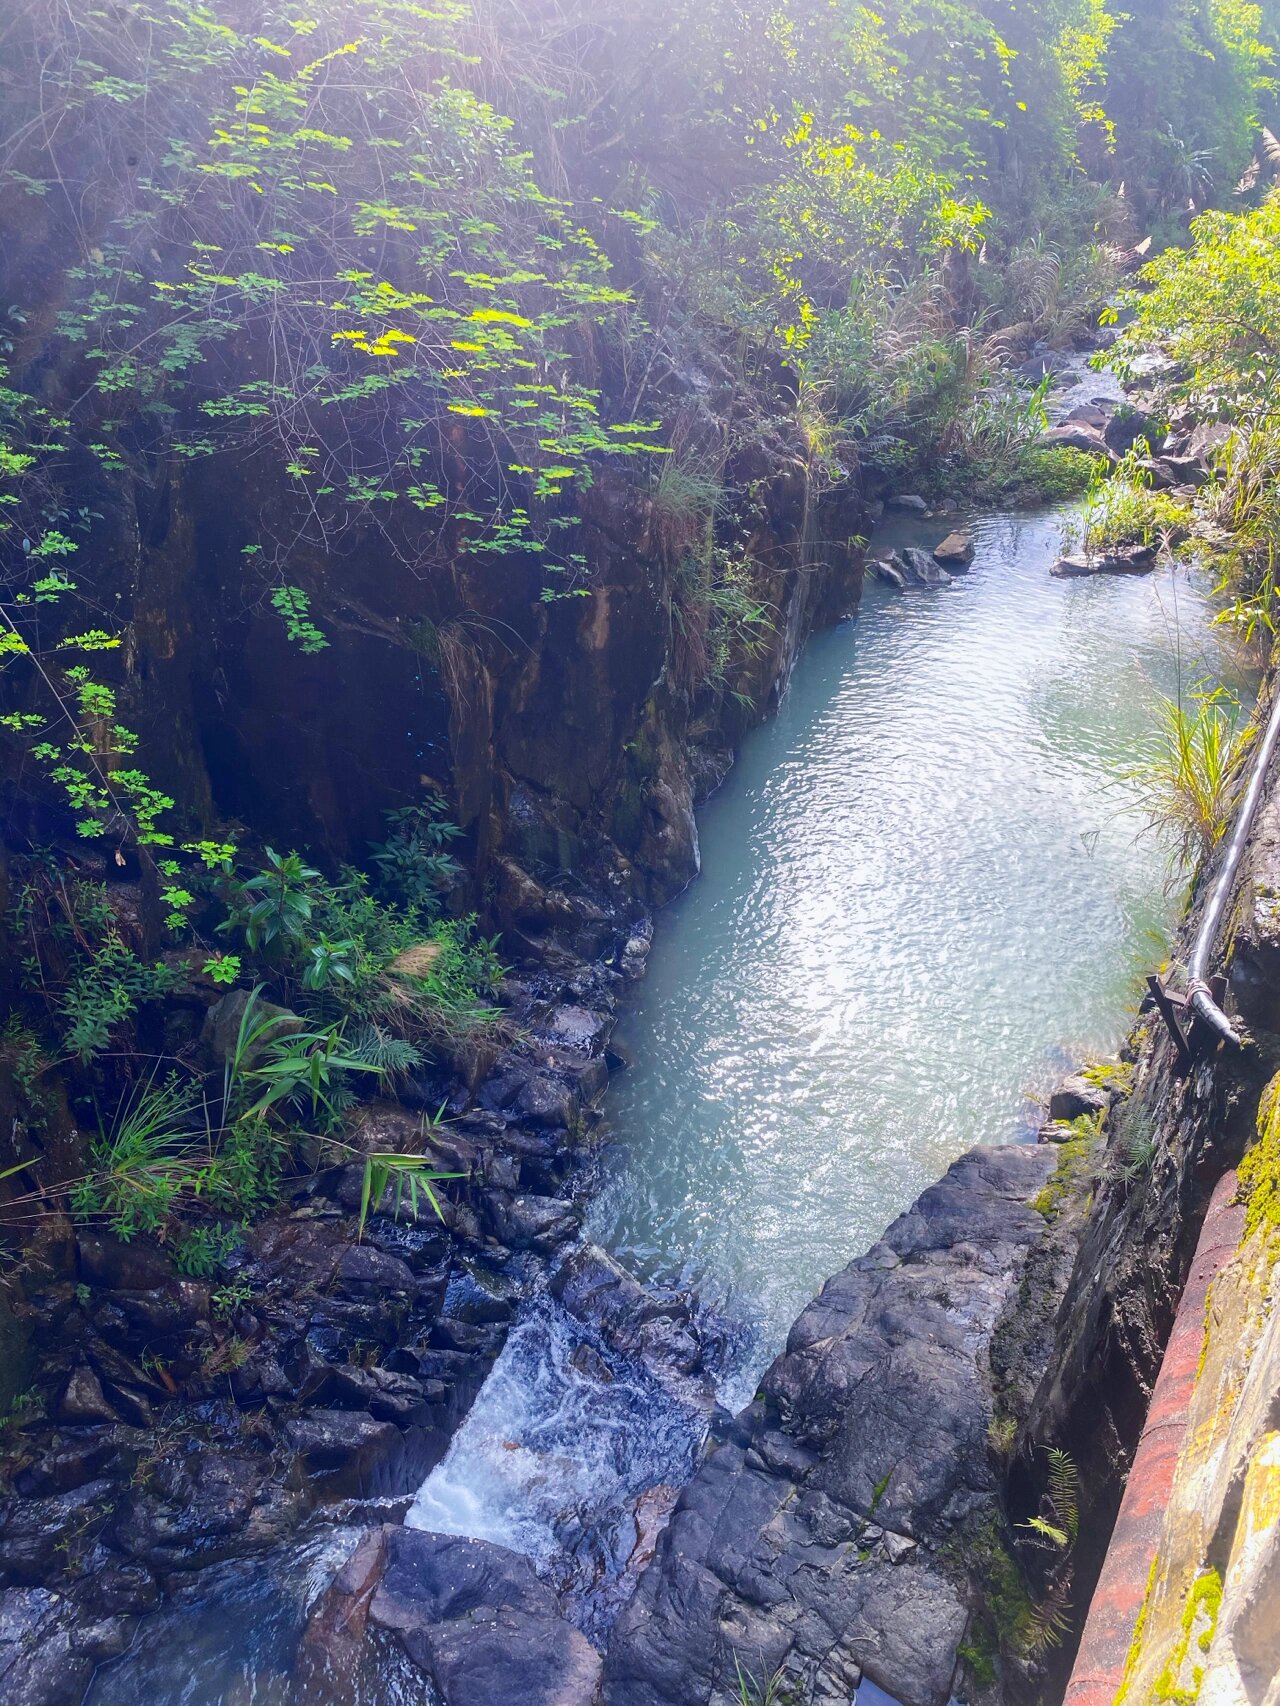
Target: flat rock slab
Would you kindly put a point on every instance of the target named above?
(791, 1551)
(1132, 560)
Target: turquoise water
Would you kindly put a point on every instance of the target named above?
(925, 891)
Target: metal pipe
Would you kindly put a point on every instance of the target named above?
(1198, 993)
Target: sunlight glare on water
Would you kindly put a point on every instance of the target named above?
(925, 892)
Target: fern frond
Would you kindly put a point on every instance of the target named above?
(1064, 1490)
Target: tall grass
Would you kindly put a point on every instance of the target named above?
(1186, 788)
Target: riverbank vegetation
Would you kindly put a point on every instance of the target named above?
(415, 282)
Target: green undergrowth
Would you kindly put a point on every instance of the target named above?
(1009, 1619)
(1074, 1168)
(1179, 1682)
(345, 985)
(1259, 1171)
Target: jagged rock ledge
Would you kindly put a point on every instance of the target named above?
(821, 1540)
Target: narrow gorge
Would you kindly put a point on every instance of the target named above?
(640, 850)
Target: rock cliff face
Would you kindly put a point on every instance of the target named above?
(1175, 1139)
(568, 734)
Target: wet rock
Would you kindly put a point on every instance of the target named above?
(878, 1407)
(82, 1399)
(635, 953)
(909, 501)
(95, 1454)
(911, 567)
(955, 552)
(591, 1365)
(659, 1331)
(483, 1298)
(120, 1590)
(43, 1540)
(890, 572)
(105, 1261)
(329, 1652)
(1124, 429)
(1075, 435)
(579, 1028)
(38, 1666)
(919, 567)
(364, 1271)
(202, 1506)
(385, 1394)
(548, 1101)
(542, 1224)
(1078, 1096)
(345, 1450)
(481, 1626)
(1127, 560)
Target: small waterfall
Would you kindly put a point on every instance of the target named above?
(570, 1454)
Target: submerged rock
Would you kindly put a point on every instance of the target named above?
(810, 1542)
(1127, 560)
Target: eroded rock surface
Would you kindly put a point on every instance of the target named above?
(815, 1541)
(473, 1617)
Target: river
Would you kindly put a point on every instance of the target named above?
(926, 891)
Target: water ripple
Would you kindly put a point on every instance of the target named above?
(924, 891)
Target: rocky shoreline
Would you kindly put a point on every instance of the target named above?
(190, 1424)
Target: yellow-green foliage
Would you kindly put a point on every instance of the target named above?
(1206, 1597)
(1073, 1165)
(1117, 1075)
(1139, 1630)
(1259, 1172)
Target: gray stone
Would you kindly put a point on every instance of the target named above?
(1075, 435)
(1128, 560)
(909, 501)
(879, 1405)
(476, 1619)
(222, 1024)
(955, 552)
(1077, 1096)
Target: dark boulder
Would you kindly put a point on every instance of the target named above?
(541, 1224)
(473, 1617)
(345, 1451)
(1077, 1096)
(811, 1541)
